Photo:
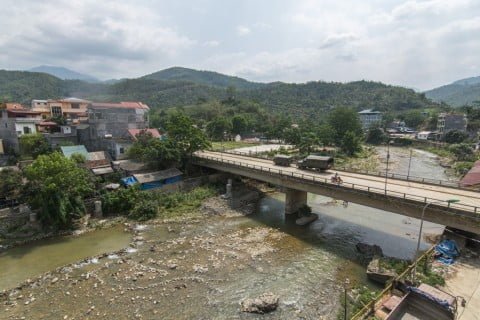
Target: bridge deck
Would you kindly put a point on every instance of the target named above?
(469, 201)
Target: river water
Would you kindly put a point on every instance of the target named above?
(306, 269)
(30, 260)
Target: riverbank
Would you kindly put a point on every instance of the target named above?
(202, 265)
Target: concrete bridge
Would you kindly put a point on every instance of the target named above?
(401, 197)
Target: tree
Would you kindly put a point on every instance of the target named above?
(326, 135)
(185, 135)
(10, 183)
(456, 136)
(292, 135)
(375, 135)
(413, 118)
(351, 143)
(157, 153)
(33, 145)
(56, 188)
(308, 140)
(343, 120)
(218, 127)
(239, 124)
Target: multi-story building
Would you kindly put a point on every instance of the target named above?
(72, 109)
(369, 117)
(109, 125)
(16, 121)
(451, 121)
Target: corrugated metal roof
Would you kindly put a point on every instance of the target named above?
(473, 176)
(157, 175)
(97, 155)
(100, 171)
(69, 150)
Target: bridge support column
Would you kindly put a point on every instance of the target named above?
(294, 200)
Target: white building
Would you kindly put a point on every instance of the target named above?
(423, 135)
(369, 117)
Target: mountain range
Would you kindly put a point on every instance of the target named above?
(179, 87)
(458, 93)
(64, 73)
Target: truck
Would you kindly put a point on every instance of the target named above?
(316, 163)
(282, 160)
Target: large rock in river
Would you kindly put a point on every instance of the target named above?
(378, 273)
(267, 302)
(369, 250)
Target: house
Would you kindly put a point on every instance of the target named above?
(369, 117)
(16, 121)
(451, 121)
(109, 124)
(98, 161)
(423, 135)
(72, 109)
(152, 180)
(135, 132)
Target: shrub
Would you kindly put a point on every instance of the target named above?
(144, 210)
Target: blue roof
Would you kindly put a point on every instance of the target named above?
(69, 150)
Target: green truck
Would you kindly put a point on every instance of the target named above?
(316, 163)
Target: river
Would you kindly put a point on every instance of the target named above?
(218, 261)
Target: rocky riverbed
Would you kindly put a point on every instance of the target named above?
(198, 268)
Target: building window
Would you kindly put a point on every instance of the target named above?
(75, 106)
(56, 111)
(122, 150)
(27, 130)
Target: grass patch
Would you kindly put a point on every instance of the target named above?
(228, 145)
(365, 160)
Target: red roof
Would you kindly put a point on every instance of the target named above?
(135, 132)
(123, 104)
(473, 176)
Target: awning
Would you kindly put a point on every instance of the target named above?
(157, 175)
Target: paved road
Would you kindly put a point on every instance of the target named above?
(467, 198)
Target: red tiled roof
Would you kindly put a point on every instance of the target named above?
(135, 132)
(123, 104)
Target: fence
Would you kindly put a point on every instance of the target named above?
(308, 178)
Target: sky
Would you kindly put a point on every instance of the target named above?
(412, 43)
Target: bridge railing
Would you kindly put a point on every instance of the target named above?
(305, 177)
(376, 173)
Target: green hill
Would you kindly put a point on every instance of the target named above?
(22, 86)
(208, 78)
(298, 100)
(458, 93)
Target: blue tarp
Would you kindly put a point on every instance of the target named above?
(446, 251)
(129, 181)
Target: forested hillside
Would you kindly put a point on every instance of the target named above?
(299, 100)
(459, 93)
(208, 78)
(22, 86)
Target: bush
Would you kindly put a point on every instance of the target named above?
(463, 167)
(144, 210)
(462, 152)
(120, 201)
(456, 136)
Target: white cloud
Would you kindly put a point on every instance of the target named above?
(409, 42)
(211, 43)
(243, 30)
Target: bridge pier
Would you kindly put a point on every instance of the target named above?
(294, 200)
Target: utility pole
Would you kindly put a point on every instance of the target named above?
(409, 163)
(386, 169)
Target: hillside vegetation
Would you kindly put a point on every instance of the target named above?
(177, 87)
(458, 93)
